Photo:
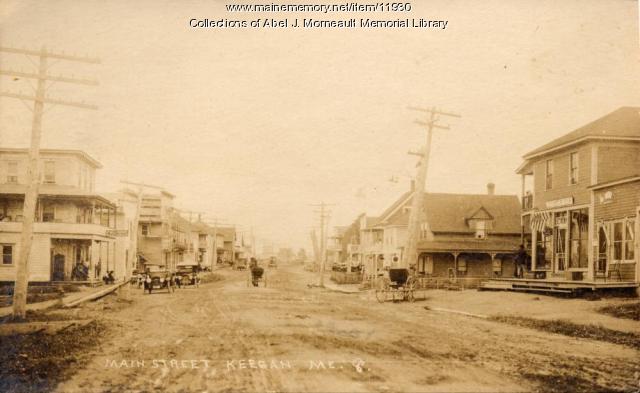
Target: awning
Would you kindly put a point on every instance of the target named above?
(540, 220)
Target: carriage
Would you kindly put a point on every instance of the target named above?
(399, 285)
(257, 275)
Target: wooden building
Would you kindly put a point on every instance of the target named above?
(469, 237)
(582, 209)
(72, 233)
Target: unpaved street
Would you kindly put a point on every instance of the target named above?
(226, 336)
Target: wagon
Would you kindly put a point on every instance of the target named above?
(256, 276)
(399, 285)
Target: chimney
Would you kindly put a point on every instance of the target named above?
(491, 189)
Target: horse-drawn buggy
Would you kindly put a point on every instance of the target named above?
(257, 275)
(398, 285)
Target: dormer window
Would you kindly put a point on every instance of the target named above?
(481, 229)
(481, 222)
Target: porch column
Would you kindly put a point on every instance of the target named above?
(592, 257)
(534, 250)
(92, 257)
(637, 247)
(455, 264)
(522, 209)
(493, 259)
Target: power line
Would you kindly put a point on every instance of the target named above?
(410, 254)
(31, 194)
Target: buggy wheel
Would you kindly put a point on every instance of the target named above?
(381, 295)
(382, 289)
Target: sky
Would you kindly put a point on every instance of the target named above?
(254, 126)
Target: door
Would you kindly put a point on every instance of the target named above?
(603, 250)
(58, 268)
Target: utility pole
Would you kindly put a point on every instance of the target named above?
(325, 214)
(31, 193)
(316, 252)
(417, 214)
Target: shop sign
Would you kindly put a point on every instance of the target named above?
(118, 232)
(559, 202)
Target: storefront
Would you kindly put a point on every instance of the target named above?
(560, 240)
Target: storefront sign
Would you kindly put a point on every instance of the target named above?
(559, 202)
(118, 232)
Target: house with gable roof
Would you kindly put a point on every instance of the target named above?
(469, 237)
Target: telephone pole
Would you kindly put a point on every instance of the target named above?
(31, 193)
(417, 214)
(325, 215)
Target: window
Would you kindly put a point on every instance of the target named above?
(578, 238)
(7, 254)
(549, 174)
(573, 168)
(48, 213)
(49, 172)
(617, 241)
(496, 266)
(623, 238)
(145, 230)
(481, 229)
(462, 264)
(12, 172)
(628, 241)
(544, 251)
(424, 230)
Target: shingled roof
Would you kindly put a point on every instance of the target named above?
(450, 212)
(621, 123)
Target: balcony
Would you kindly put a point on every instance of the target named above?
(59, 228)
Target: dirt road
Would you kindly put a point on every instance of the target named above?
(225, 336)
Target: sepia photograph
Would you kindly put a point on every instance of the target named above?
(319, 196)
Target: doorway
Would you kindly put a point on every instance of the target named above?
(58, 268)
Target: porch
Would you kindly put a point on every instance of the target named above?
(553, 285)
(80, 260)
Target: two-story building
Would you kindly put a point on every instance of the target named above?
(226, 254)
(583, 206)
(164, 235)
(350, 244)
(71, 233)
